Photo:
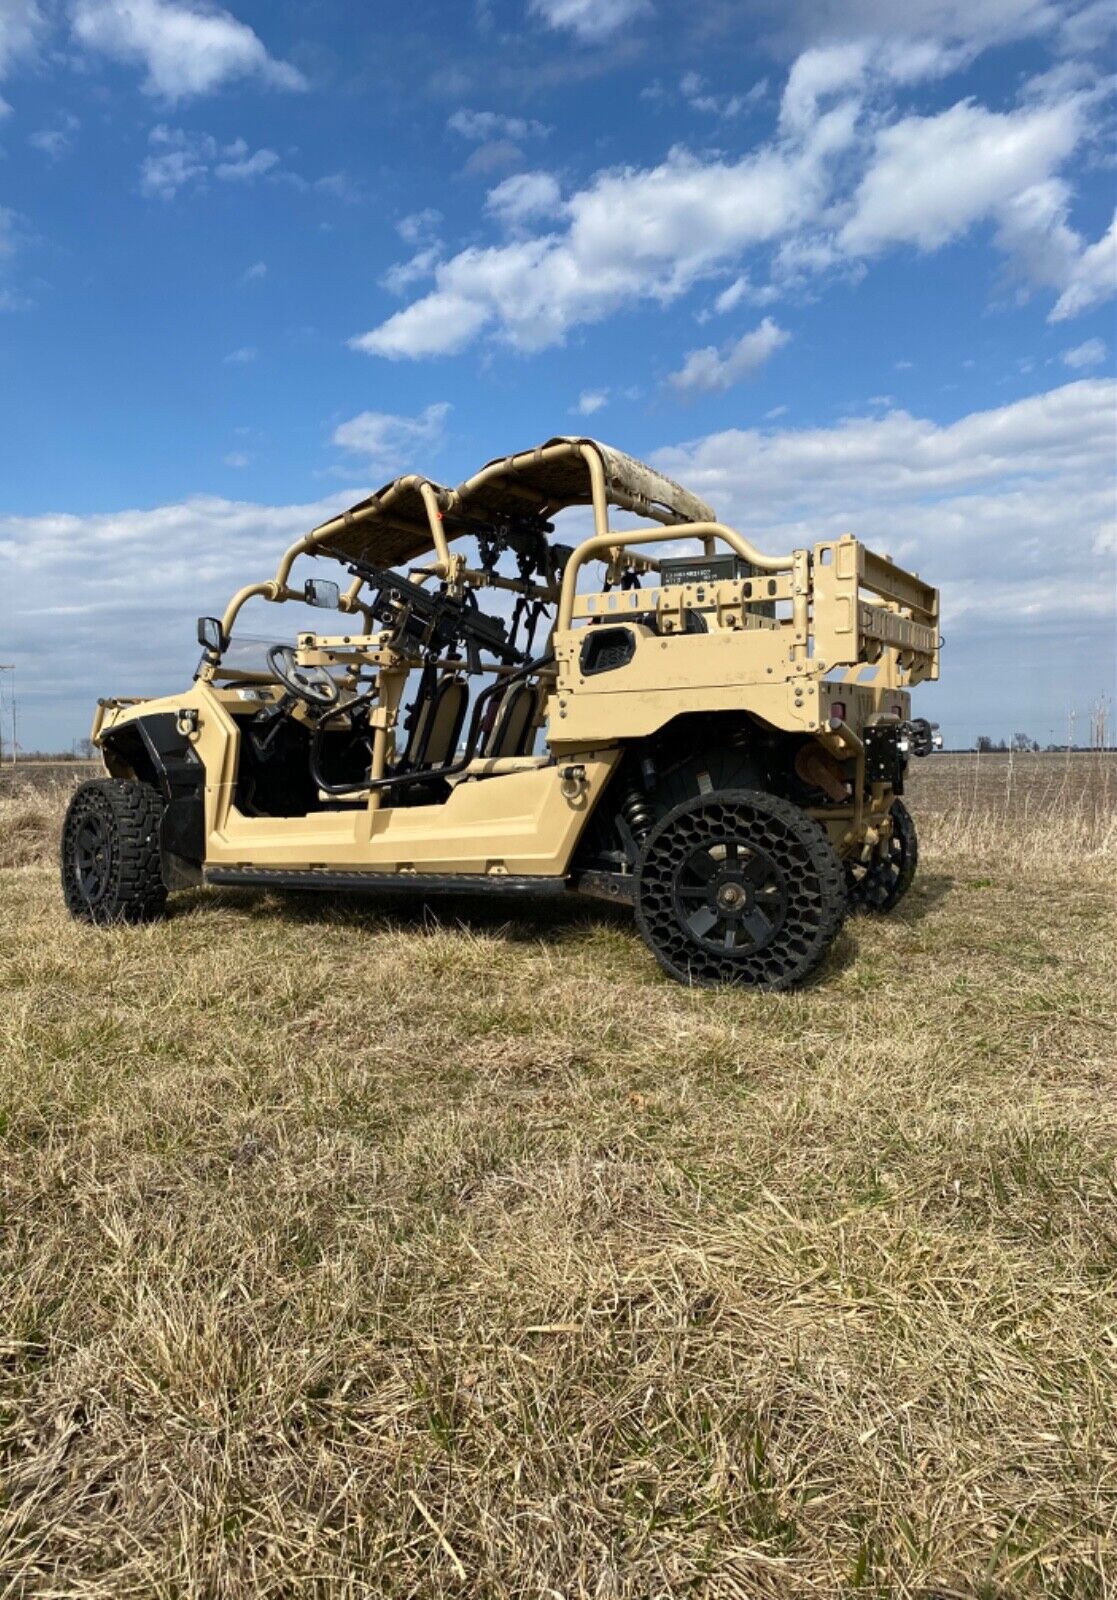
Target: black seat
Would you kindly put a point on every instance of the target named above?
(436, 729)
(514, 723)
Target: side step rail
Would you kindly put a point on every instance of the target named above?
(384, 882)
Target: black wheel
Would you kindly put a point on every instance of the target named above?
(111, 869)
(739, 887)
(881, 883)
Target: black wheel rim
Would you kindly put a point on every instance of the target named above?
(730, 897)
(731, 894)
(92, 856)
(879, 884)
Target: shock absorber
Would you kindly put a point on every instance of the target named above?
(638, 812)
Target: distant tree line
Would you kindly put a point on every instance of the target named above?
(1021, 742)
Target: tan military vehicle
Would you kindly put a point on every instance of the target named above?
(662, 716)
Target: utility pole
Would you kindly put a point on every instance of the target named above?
(10, 667)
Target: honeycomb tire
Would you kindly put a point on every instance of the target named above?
(740, 888)
(882, 883)
(111, 869)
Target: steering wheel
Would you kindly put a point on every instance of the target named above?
(312, 685)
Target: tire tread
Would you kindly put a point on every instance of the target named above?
(823, 863)
(137, 893)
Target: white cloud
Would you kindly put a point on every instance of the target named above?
(698, 95)
(733, 295)
(525, 196)
(388, 442)
(237, 458)
(591, 400)
(817, 74)
(242, 357)
(7, 230)
(712, 369)
(590, 20)
(255, 273)
(440, 324)
(494, 155)
(931, 178)
(52, 142)
(11, 300)
(403, 274)
(21, 26)
(1089, 354)
(972, 24)
(338, 184)
(240, 166)
(419, 225)
(484, 125)
(1093, 277)
(1034, 231)
(1004, 509)
(901, 456)
(632, 234)
(146, 574)
(178, 158)
(187, 49)
(842, 179)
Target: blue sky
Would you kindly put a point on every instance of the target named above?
(835, 267)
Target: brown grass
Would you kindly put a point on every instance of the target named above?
(354, 1251)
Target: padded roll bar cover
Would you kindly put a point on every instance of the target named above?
(390, 527)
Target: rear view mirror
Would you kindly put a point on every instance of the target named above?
(323, 593)
(211, 636)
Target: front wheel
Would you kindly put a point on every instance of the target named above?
(739, 887)
(882, 882)
(111, 869)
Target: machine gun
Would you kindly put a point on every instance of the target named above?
(434, 620)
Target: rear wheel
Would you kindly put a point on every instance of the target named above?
(739, 887)
(881, 883)
(111, 869)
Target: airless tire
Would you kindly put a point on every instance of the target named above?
(739, 887)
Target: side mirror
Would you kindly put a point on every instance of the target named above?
(211, 636)
(323, 593)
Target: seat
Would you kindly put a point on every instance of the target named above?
(514, 722)
(434, 735)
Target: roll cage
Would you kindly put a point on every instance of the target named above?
(431, 620)
(507, 507)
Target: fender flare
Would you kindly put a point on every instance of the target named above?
(170, 762)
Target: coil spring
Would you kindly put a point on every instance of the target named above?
(637, 811)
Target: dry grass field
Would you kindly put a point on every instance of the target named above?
(354, 1250)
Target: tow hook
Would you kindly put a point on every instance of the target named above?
(573, 781)
(186, 721)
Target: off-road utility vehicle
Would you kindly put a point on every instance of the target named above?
(713, 736)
